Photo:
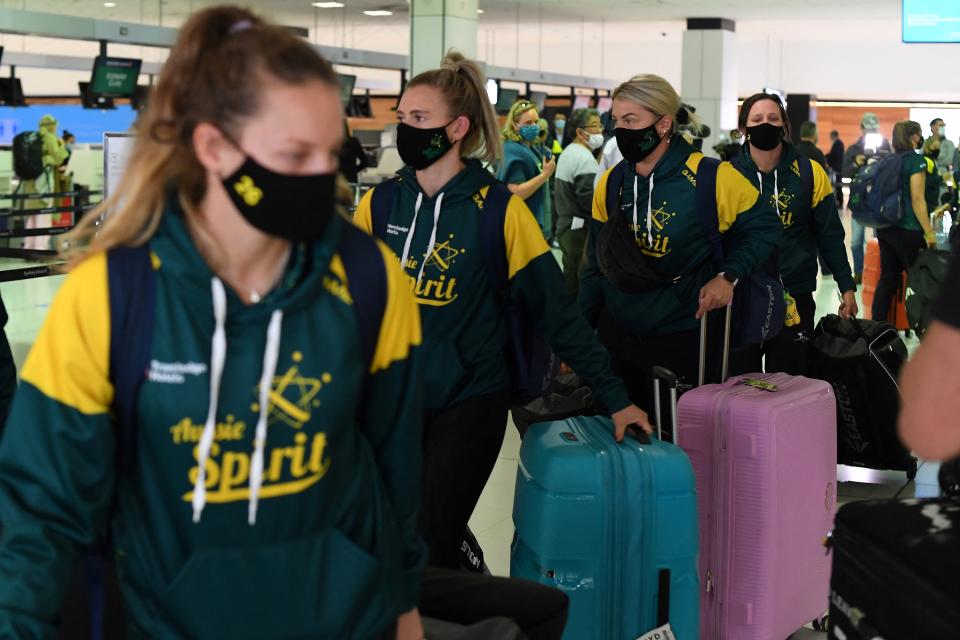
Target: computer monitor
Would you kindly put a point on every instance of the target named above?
(931, 21)
(90, 100)
(581, 102)
(140, 97)
(114, 77)
(347, 83)
(11, 92)
(539, 98)
(604, 104)
(506, 99)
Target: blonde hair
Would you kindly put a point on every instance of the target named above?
(210, 76)
(464, 87)
(657, 96)
(516, 111)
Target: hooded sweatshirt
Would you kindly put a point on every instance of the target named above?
(809, 228)
(324, 547)
(464, 333)
(670, 233)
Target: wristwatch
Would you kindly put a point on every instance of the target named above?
(729, 277)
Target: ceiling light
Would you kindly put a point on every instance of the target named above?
(109, 5)
(479, 10)
(328, 5)
(378, 13)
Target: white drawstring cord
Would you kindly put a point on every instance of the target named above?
(433, 236)
(409, 240)
(270, 356)
(650, 212)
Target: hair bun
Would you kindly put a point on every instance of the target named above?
(683, 116)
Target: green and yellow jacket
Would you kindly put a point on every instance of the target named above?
(809, 228)
(333, 552)
(675, 240)
(464, 333)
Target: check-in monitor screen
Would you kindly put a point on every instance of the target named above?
(115, 77)
(931, 21)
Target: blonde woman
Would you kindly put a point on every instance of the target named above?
(655, 193)
(523, 169)
(268, 484)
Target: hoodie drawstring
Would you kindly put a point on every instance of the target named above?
(217, 360)
(776, 192)
(413, 226)
(270, 356)
(636, 221)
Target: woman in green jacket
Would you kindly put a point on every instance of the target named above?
(811, 226)
(268, 484)
(657, 194)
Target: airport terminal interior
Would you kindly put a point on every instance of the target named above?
(847, 72)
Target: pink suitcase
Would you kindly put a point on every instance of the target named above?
(765, 463)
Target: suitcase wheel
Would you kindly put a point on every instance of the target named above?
(820, 624)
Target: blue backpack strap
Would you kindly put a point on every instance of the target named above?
(707, 206)
(367, 281)
(133, 301)
(492, 242)
(613, 195)
(381, 206)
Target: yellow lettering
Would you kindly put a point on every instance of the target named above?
(449, 294)
(317, 463)
(211, 468)
(276, 464)
(297, 468)
(235, 470)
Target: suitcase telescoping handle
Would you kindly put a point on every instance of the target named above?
(728, 318)
(660, 373)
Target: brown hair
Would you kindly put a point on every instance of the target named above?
(902, 131)
(754, 99)
(464, 87)
(214, 74)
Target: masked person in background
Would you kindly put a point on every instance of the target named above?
(525, 171)
(51, 181)
(268, 474)
(811, 226)
(870, 143)
(433, 221)
(558, 141)
(576, 172)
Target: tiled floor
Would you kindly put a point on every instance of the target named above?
(27, 302)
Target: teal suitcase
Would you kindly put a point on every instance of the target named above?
(612, 525)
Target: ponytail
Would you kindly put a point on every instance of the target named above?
(464, 88)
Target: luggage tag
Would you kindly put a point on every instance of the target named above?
(760, 384)
(660, 633)
(793, 316)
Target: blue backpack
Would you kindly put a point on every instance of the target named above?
(133, 292)
(531, 360)
(875, 192)
(759, 310)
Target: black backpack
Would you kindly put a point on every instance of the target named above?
(28, 155)
(924, 281)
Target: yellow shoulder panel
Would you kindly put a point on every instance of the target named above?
(363, 217)
(693, 161)
(822, 188)
(400, 329)
(600, 197)
(522, 235)
(735, 195)
(70, 361)
(930, 165)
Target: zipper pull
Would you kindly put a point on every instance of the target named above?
(709, 581)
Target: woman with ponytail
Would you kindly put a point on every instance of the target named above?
(433, 215)
(650, 274)
(258, 470)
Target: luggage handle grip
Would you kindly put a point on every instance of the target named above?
(639, 434)
(727, 328)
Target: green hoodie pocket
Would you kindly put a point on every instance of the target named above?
(444, 375)
(319, 587)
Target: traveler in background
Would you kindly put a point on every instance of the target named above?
(945, 164)
(558, 141)
(929, 383)
(900, 244)
(542, 149)
(69, 140)
(522, 169)
(811, 226)
(807, 147)
(610, 158)
(231, 187)
(51, 181)
(835, 162)
(576, 171)
(353, 159)
(661, 326)
(934, 181)
(854, 158)
(433, 223)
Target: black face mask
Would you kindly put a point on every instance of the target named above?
(765, 137)
(637, 144)
(292, 207)
(933, 154)
(420, 148)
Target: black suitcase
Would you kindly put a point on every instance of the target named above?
(861, 359)
(895, 568)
